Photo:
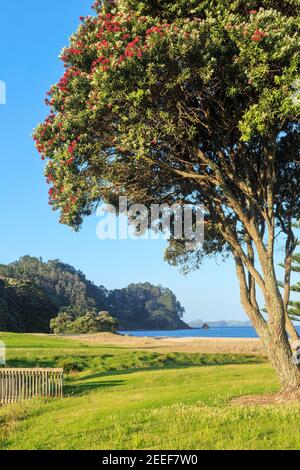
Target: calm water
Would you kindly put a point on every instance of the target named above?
(228, 332)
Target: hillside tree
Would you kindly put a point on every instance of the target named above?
(294, 305)
(189, 101)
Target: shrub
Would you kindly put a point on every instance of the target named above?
(91, 322)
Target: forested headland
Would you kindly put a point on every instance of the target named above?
(38, 296)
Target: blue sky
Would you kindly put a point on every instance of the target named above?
(31, 36)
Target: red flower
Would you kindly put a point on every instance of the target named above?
(258, 35)
(129, 53)
(104, 44)
(72, 147)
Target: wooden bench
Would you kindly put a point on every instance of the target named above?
(22, 384)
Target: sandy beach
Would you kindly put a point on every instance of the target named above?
(204, 345)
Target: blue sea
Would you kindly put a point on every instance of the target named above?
(216, 332)
(220, 332)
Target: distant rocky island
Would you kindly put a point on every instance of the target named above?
(218, 324)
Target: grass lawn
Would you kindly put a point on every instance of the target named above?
(121, 398)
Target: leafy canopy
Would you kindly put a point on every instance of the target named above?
(90, 322)
(179, 101)
(24, 307)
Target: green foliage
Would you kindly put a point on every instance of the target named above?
(24, 307)
(60, 324)
(172, 10)
(149, 84)
(90, 322)
(71, 365)
(144, 306)
(294, 309)
(61, 282)
(76, 298)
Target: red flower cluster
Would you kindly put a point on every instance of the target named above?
(112, 42)
(252, 12)
(132, 49)
(72, 147)
(71, 52)
(109, 25)
(41, 147)
(63, 83)
(69, 161)
(101, 60)
(97, 5)
(258, 35)
(49, 179)
(74, 51)
(103, 44)
(154, 30)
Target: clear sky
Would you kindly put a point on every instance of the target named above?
(32, 34)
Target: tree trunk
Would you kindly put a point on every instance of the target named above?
(291, 329)
(276, 340)
(272, 332)
(279, 353)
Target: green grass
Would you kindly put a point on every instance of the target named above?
(45, 351)
(125, 399)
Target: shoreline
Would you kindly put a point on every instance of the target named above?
(252, 346)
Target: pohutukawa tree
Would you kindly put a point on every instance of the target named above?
(186, 101)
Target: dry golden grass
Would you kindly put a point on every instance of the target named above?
(201, 345)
